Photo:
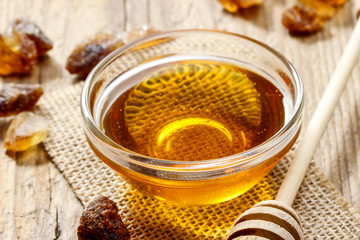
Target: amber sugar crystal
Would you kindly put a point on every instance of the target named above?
(309, 16)
(33, 31)
(86, 55)
(21, 46)
(17, 53)
(89, 53)
(101, 220)
(300, 19)
(27, 129)
(196, 110)
(16, 97)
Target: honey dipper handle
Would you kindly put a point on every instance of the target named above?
(320, 119)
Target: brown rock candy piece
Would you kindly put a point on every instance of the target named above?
(302, 20)
(234, 5)
(309, 16)
(323, 9)
(26, 130)
(18, 53)
(16, 98)
(86, 55)
(33, 31)
(101, 220)
(21, 46)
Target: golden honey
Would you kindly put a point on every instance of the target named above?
(196, 110)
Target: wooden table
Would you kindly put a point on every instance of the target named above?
(36, 202)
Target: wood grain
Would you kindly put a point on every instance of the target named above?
(35, 200)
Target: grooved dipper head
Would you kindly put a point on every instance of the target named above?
(267, 220)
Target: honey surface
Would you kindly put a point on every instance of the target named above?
(196, 110)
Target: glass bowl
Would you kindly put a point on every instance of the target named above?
(192, 175)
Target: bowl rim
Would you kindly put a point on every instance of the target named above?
(243, 158)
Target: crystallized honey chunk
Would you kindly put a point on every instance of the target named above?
(323, 9)
(26, 130)
(21, 46)
(234, 5)
(86, 55)
(309, 16)
(16, 98)
(18, 53)
(101, 220)
(302, 20)
(33, 31)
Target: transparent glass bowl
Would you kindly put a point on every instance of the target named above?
(190, 182)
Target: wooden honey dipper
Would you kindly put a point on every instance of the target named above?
(275, 219)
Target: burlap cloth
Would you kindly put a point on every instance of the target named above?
(323, 211)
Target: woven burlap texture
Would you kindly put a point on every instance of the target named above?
(323, 211)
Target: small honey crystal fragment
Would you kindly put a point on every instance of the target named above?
(33, 31)
(302, 20)
(101, 220)
(234, 5)
(16, 98)
(18, 53)
(26, 130)
(86, 55)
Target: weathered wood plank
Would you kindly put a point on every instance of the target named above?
(136, 14)
(7, 192)
(36, 202)
(170, 15)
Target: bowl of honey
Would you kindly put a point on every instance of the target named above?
(192, 116)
